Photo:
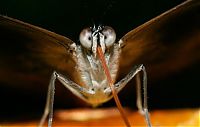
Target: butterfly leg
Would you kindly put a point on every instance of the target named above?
(121, 84)
(72, 86)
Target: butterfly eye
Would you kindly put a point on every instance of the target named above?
(86, 38)
(109, 36)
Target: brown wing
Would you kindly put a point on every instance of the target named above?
(165, 44)
(29, 54)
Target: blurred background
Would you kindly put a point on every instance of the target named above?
(68, 18)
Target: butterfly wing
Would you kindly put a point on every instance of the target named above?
(165, 44)
(29, 54)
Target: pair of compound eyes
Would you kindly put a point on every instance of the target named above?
(86, 37)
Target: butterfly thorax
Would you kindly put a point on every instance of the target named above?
(92, 75)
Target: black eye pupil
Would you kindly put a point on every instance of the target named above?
(89, 38)
(105, 37)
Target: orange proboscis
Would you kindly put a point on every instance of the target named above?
(109, 78)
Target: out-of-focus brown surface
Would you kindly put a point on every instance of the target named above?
(111, 117)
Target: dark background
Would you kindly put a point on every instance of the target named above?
(68, 18)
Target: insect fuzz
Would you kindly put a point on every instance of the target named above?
(99, 67)
(90, 66)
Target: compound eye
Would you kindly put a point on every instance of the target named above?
(109, 36)
(85, 38)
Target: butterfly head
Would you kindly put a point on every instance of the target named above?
(97, 37)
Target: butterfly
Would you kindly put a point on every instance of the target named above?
(165, 45)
